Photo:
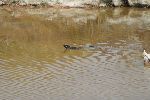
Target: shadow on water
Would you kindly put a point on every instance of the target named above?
(34, 64)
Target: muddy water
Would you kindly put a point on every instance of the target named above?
(35, 66)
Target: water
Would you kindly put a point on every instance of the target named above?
(35, 66)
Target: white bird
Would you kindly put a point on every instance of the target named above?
(146, 57)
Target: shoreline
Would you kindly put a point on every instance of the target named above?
(59, 5)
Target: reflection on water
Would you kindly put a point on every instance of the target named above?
(35, 66)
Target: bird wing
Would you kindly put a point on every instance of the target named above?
(147, 57)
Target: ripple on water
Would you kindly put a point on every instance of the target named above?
(78, 77)
(34, 65)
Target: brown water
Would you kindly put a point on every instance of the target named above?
(35, 66)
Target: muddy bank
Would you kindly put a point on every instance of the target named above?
(78, 3)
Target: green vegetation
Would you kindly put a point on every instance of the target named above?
(141, 5)
(108, 2)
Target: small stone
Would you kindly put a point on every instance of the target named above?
(1, 3)
(117, 2)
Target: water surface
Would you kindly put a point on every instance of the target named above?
(35, 66)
